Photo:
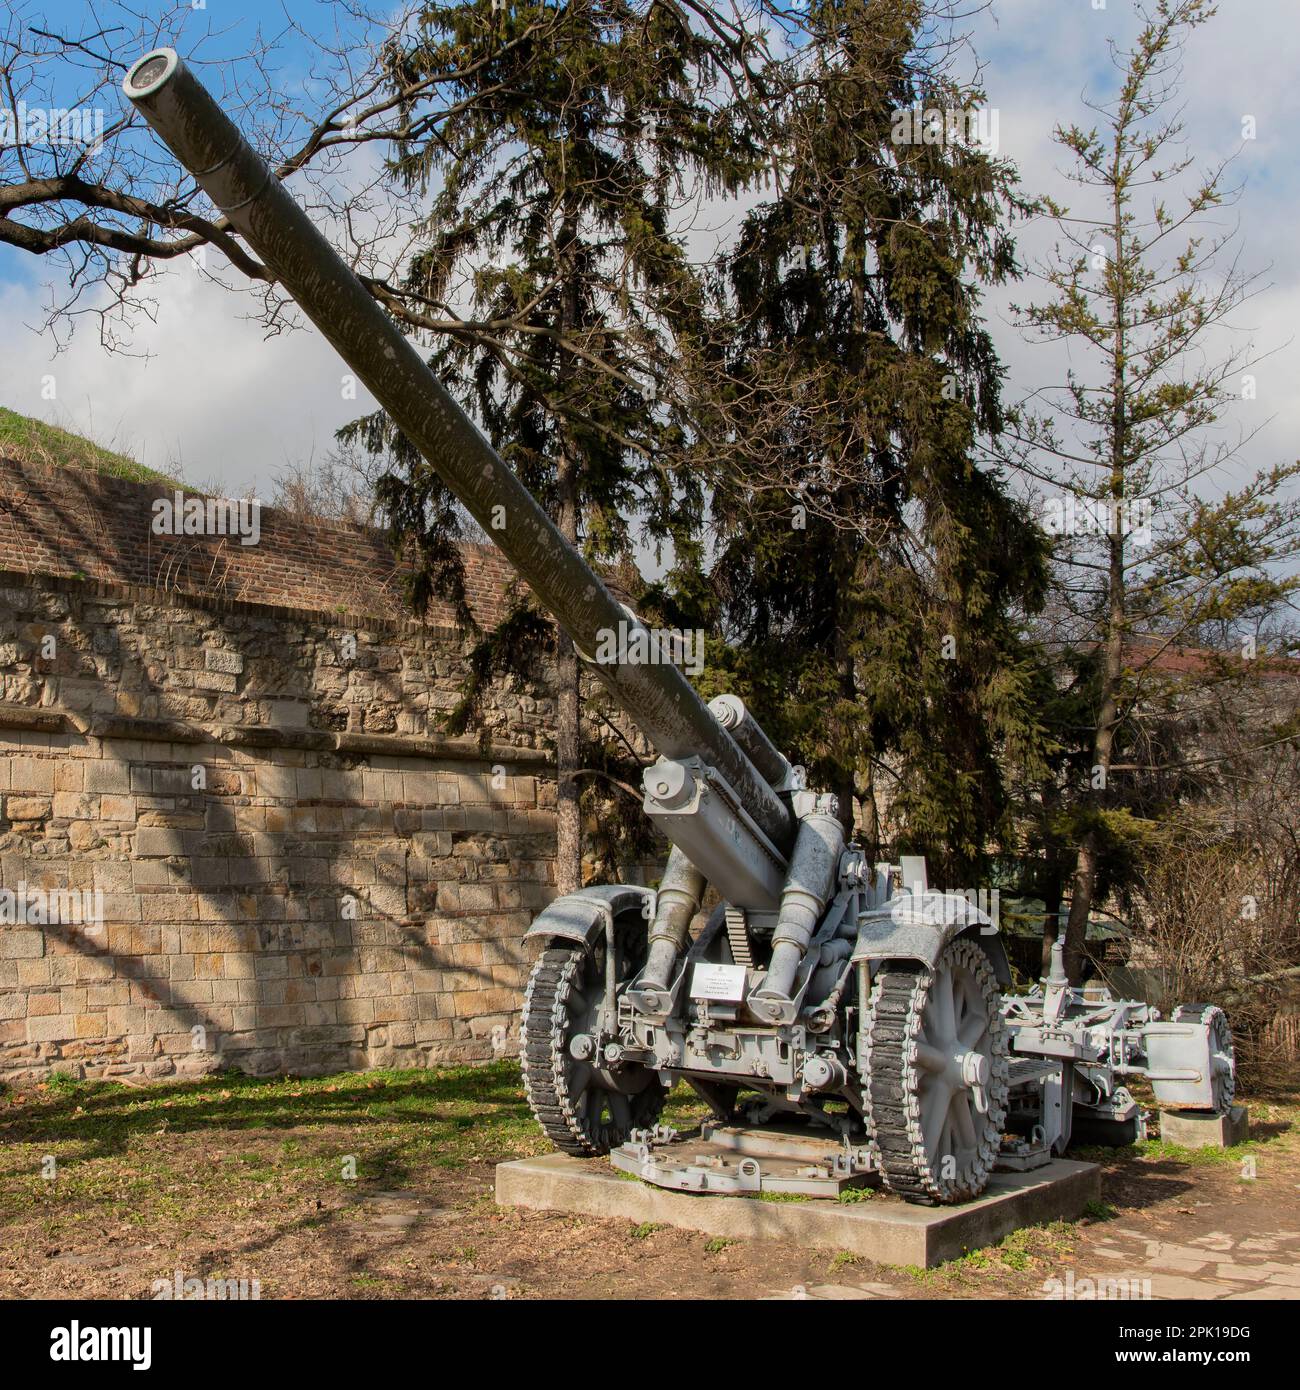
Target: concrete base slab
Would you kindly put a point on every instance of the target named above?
(1203, 1129)
(884, 1228)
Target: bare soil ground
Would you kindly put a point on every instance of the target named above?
(379, 1185)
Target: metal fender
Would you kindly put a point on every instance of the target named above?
(918, 927)
(582, 916)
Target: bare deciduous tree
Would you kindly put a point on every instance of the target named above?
(1155, 549)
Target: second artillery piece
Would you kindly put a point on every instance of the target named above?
(826, 995)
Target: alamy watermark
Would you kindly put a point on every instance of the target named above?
(23, 125)
(74, 1342)
(179, 515)
(939, 907)
(41, 907)
(1099, 516)
(975, 126)
(1094, 1290)
(178, 1288)
(633, 644)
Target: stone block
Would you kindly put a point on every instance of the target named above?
(153, 841)
(887, 1230)
(1205, 1129)
(279, 783)
(17, 943)
(70, 775)
(31, 774)
(215, 659)
(54, 1028)
(103, 776)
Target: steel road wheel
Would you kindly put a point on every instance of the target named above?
(1223, 1063)
(937, 1075)
(583, 1107)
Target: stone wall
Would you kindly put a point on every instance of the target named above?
(230, 756)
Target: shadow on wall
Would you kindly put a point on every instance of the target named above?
(272, 909)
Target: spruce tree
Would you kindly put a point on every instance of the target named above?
(552, 267)
(871, 573)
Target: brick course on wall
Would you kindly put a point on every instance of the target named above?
(61, 521)
(296, 870)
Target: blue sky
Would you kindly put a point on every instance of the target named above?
(214, 35)
(1043, 57)
(204, 394)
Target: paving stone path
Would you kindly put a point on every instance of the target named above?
(1211, 1266)
(1126, 1263)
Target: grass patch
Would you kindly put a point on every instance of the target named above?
(717, 1245)
(33, 441)
(62, 1083)
(1031, 1247)
(1099, 1211)
(1176, 1153)
(185, 1155)
(131, 1150)
(683, 1109)
(1158, 1151)
(646, 1229)
(841, 1260)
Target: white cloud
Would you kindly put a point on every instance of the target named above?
(233, 407)
(210, 393)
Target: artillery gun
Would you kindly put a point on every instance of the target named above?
(826, 995)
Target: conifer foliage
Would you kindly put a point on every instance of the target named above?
(576, 131)
(799, 416)
(870, 571)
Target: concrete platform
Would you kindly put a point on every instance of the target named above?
(884, 1228)
(1205, 1129)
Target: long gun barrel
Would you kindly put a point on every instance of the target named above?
(655, 694)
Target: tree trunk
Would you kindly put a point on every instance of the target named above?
(1053, 875)
(844, 792)
(1052, 917)
(869, 834)
(1087, 860)
(845, 780)
(568, 814)
(1086, 864)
